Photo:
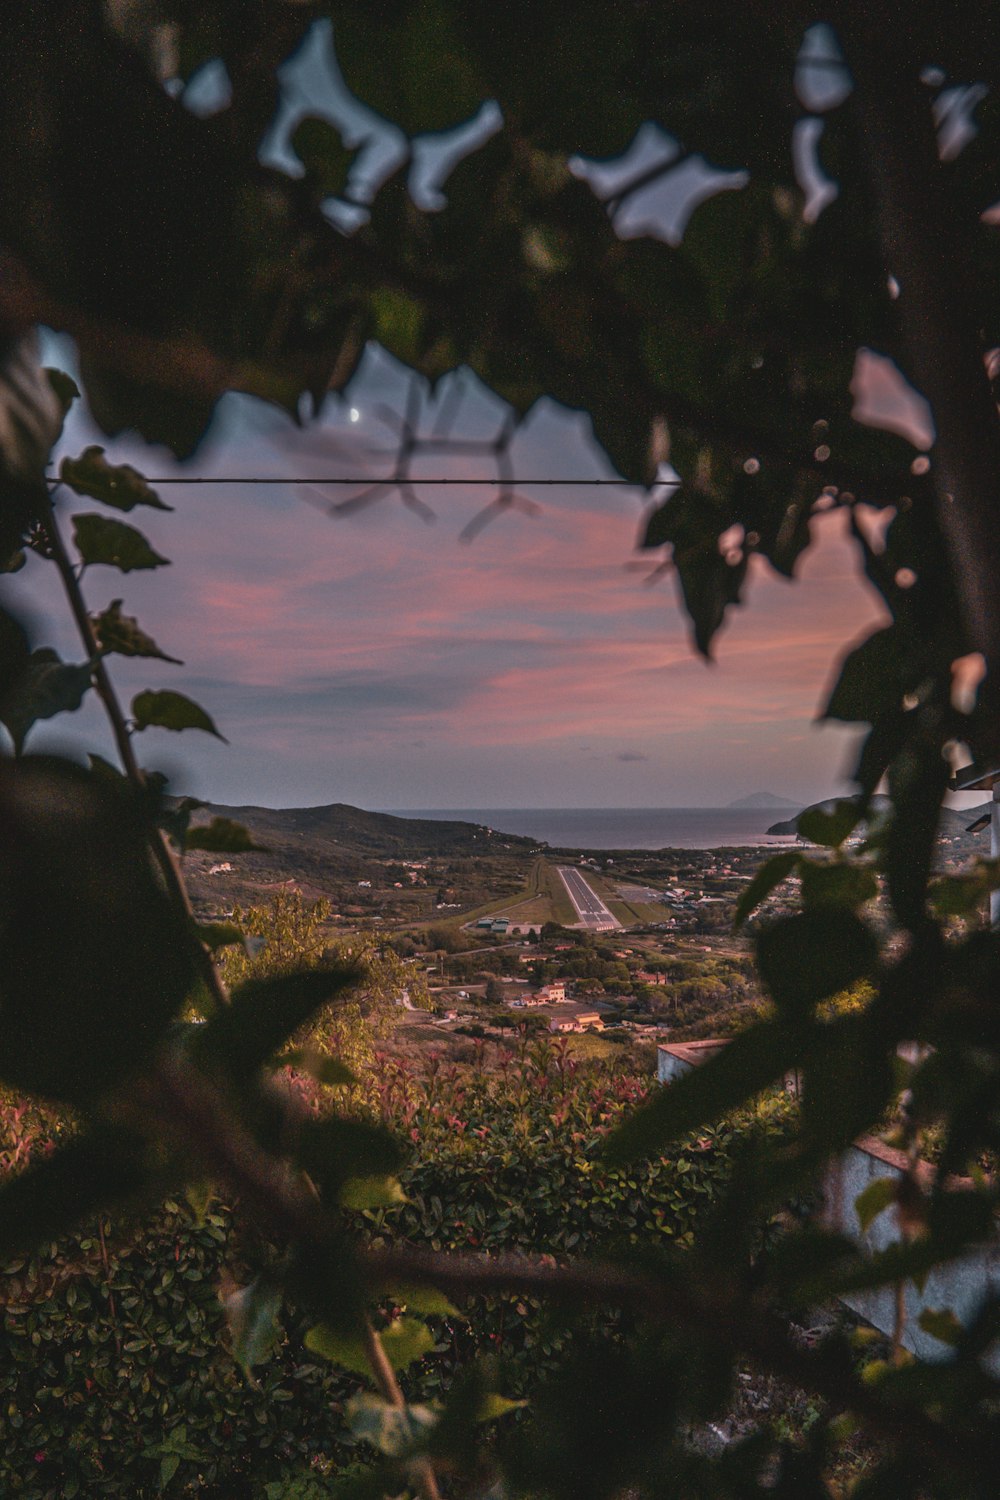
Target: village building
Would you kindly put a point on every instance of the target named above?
(581, 1020)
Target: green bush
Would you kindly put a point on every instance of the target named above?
(115, 1370)
(115, 1379)
(509, 1161)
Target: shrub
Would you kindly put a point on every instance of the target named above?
(115, 1367)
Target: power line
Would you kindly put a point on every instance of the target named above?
(494, 482)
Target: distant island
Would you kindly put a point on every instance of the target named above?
(762, 799)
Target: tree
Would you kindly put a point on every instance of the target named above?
(494, 993)
(183, 269)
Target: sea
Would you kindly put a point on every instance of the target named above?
(623, 827)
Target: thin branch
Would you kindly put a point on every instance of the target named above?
(385, 1379)
(757, 1331)
(162, 852)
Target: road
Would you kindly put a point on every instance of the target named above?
(589, 907)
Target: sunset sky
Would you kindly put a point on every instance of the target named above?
(379, 660)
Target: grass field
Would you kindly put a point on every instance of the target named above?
(562, 907)
(543, 898)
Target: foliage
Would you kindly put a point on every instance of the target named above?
(116, 1376)
(121, 1356)
(290, 935)
(729, 348)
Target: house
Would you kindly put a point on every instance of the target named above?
(583, 1020)
(677, 1058)
(644, 976)
(552, 994)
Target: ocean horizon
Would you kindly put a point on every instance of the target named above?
(621, 827)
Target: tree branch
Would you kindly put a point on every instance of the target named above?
(926, 242)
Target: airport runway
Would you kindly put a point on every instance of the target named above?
(589, 907)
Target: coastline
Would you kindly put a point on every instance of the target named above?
(622, 829)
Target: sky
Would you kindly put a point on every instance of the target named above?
(379, 660)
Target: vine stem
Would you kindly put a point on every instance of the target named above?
(164, 855)
(389, 1387)
(112, 1305)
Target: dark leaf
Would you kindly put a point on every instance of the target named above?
(45, 687)
(99, 1170)
(869, 685)
(66, 392)
(797, 1265)
(117, 485)
(167, 710)
(876, 1198)
(918, 779)
(265, 1013)
(771, 873)
(175, 820)
(319, 1065)
(942, 1324)
(65, 387)
(710, 585)
(320, 149)
(123, 635)
(334, 1151)
(252, 1319)
(114, 544)
(96, 961)
(849, 1081)
(837, 885)
(404, 1340)
(814, 954)
(216, 935)
(359, 1193)
(221, 836)
(739, 1072)
(830, 826)
(393, 1430)
(14, 652)
(31, 417)
(419, 75)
